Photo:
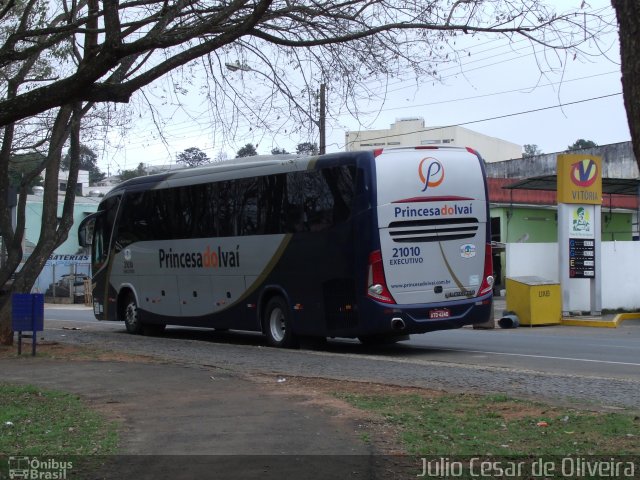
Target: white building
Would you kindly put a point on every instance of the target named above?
(82, 185)
(412, 131)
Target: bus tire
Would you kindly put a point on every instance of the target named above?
(277, 324)
(132, 320)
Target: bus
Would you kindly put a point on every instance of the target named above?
(374, 245)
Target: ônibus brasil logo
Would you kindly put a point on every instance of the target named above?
(431, 172)
(584, 173)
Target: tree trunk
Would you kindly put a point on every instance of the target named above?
(6, 333)
(628, 14)
(52, 231)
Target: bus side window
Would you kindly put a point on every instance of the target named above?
(326, 196)
(246, 207)
(341, 183)
(362, 200)
(273, 204)
(296, 216)
(319, 201)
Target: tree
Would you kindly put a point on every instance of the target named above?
(137, 172)
(278, 151)
(247, 151)
(307, 148)
(530, 150)
(62, 62)
(193, 157)
(628, 15)
(88, 161)
(21, 165)
(580, 144)
(221, 156)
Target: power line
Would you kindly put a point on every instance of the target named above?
(493, 94)
(499, 117)
(186, 130)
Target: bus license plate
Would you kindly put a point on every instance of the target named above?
(440, 313)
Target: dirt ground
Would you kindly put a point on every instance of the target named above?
(314, 393)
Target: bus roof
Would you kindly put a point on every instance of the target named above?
(255, 165)
(250, 166)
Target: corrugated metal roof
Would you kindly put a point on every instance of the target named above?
(617, 193)
(618, 186)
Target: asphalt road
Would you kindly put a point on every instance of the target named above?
(573, 350)
(584, 351)
(582, 364)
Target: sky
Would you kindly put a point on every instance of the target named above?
(499, 91)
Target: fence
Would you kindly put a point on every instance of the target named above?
(620, 272)
(64, 283)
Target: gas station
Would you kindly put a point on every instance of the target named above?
(535, 300)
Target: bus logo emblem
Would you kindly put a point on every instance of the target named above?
(468, 250)
(431, 173)
(584, 173)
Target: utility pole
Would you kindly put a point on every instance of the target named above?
(321, 120)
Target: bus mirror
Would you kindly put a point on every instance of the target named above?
(85, 231)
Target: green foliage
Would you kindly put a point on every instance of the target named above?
(580, 144)
(21, 165)
(88, 161)
(307, 148)
(128, 174)
(193, 157)
(247, 151)
(278, 151)
(530, 150)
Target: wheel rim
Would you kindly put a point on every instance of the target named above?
(132, 315)
(277, 325)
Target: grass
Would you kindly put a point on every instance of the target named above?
(34, 421)
(497, 425)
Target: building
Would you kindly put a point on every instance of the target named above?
(33, 222)
(412, 131)
(529, 215)
(82, 184)
(69, 259)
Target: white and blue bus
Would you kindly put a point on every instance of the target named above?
(374, 245)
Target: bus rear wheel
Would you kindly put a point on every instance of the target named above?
(132, 317)
(277, 324)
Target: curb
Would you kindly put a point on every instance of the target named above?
(593, 322)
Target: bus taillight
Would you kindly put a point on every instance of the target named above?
(487, 280)
(471, 150)
(376, 283)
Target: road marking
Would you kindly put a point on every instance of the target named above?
(610, 362)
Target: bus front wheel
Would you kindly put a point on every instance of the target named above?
(132, 317)
(277, 324)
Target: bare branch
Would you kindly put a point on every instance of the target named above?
(134, 35)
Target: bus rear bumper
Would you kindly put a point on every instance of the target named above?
(422, 318)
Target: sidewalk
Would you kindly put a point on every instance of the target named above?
(74, 306)
(174, 410)
(608, 320)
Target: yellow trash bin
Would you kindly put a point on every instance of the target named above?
(535, 300)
